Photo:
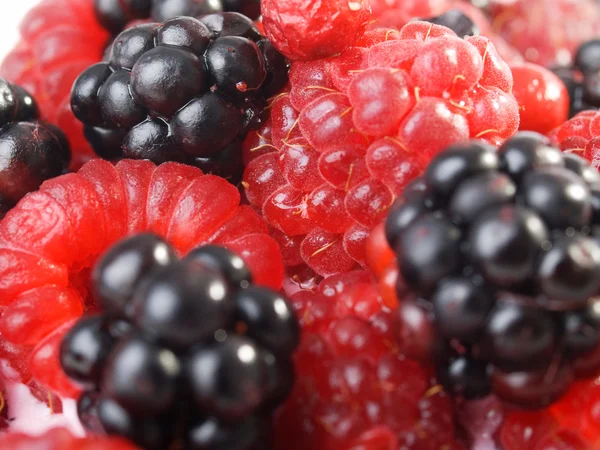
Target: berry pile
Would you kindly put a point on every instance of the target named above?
(502, 248)
(51, 239)
(59, 39)
(185, 90)
(61, 439)
(186, 350)
(114, 15)
(353, 130)
(31, 151)
(354, 388)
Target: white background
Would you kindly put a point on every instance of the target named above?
(12, 11)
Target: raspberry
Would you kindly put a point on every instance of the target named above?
(31, 151)
(311, 31)
(115, 15)
(59, 38)
(51, 239)
(580, 135)
(351, 378)
(353, 130)
(186, 90)
(198, 321)
(547, 33)
(543, 99)
(508, 259)
(61, 439)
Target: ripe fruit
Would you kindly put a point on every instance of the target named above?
(186, 90)
(502, 245)
(167, 322)
(61, 439)
(353, 130)
(59, 38)
(543, 98)
(306, 32)
(580, 135)
(114, 15)
(354, 388)
(31, 151)
(51, 239)
(547, 33)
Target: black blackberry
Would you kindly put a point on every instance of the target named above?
(502, 247)
(186, 90)
(186, 351)
(30, 151)
(114, 15)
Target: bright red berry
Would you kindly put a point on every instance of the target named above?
(543, 98)
(51, 239)
(61, 439)
(354, 129)
(305, 31)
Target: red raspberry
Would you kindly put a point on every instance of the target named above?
(543, 98)
(59, 39)
(51, 239)
(61, 439)
(352, 130)
(310, 30)
(580, 135)
(547, 32)
(354, 388)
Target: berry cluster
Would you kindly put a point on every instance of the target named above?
(51, 239)
(31, 151)
(355, 389)
(59, 39)
(580, 135)
(353, 130)
(185, 90)
(502, 248)
(114, 15)
(186, 350)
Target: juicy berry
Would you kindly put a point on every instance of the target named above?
(355, 389)
(175, 328)
(502, 246)
(52, 238)
(305, 32)
(59, 39)
(61, 439)
(353, 130)
(580, 135)
(114, 15)
(543, 98)
(185, 90)
(31, 151)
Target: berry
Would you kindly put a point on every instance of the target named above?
(352, 131)
(547, 33)
(31, 151)
(351, 377)
(543, 98)
(579, 136)
(184, 90)
(501, 247)
(61, 439)
(115, 15)
(307, 33)
(198, 345)
(52, 238)
(59, 38)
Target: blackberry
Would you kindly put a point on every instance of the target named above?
(186, 90)
(186, 351)
(31, 151)
(502, 250)
(114, 15)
